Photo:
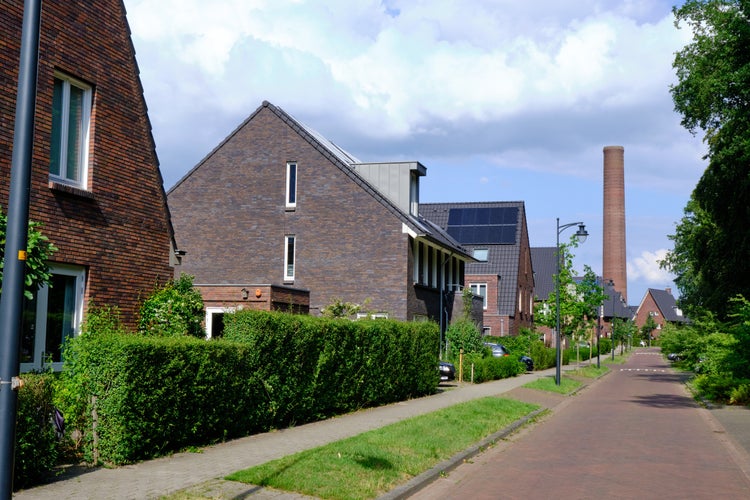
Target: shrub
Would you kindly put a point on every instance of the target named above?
(174, 310)
(740, 395)
(490, 368)
(36, 450)
(716, 387)
(463, 334)
(544, 357)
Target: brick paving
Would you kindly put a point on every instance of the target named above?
(636, 433)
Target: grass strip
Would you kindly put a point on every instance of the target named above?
(567, 385)
(373, 463)
(590, 371)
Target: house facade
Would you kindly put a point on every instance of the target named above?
(502, 273)
(661, 306)
(95, 180)
(278, 203)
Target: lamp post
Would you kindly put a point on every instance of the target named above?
(581, 234)
(611, 294)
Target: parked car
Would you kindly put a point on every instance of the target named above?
(673, 356)
(447, 371)
(528, 362)
(499, 351)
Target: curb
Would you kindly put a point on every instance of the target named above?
(422, 480)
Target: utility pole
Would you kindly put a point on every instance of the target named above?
(14, 268)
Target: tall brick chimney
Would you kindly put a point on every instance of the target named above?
(614, 266)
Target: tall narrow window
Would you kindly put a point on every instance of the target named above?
(289, 257)
(71, 113)
(481, 290)
(291, 185)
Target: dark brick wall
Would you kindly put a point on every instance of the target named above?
(229, 215)
(119, 230)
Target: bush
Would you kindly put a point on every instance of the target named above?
(36, 450)
(149, 396)
(488, 368)
(544, 357)
(174, 310)
(716, 387)
(463, 334)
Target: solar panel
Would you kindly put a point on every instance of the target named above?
(483, 225)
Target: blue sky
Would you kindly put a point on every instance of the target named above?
(501, 100)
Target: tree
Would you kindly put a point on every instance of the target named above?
(713, 94)
(647, 329)
(39, 250)
(579, 299)
(174, 310)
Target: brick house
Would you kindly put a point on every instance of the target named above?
(496, 235)
(275, 202)
(662, 307)
(95, 180)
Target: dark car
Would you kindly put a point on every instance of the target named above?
(528, 362)
(673, 356)
(447, 371)
(499, 351)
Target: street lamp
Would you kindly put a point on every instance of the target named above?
(612, 317)
(581, 234)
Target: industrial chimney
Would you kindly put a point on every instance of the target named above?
(614, 266)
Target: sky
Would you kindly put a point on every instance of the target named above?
(501, 100)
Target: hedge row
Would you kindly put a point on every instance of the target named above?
(135, 397)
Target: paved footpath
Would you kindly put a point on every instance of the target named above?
(635, 433)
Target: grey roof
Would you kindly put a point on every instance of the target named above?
(344, 161)
(545, 267)
(667, 305)
(502, 259)
(615, 305)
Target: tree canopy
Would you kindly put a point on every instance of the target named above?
(712, 93)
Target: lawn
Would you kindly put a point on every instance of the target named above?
(373, 463)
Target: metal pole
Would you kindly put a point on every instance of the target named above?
(598, 335)
(11, 300)
(558, 352)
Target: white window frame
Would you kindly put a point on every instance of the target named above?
(291, 184)
(40, 323)
(290, 243)
(476, 288)
(210, 311)
(85, 133)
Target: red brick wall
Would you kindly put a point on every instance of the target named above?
(229, 215)
(120, 231)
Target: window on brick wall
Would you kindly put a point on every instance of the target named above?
(289, 249)
(51, 317)
(481, 290)
(71, 118)
(291, 185)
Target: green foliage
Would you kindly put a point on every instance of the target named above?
(174, 310)
(39, 251)
(340, 309)
(152, 395)
(463, 334)
(488, 368)
(712, 93)
(36, 450)
(102, 320)
(648, 329)
(544, 357)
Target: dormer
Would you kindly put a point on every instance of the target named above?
(398, 181)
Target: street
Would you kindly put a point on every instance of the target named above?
(636, 433)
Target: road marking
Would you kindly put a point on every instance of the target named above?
(642, 370)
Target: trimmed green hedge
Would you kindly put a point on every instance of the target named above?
(36, 450)
(136, 397)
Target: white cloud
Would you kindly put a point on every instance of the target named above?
(646, 268)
